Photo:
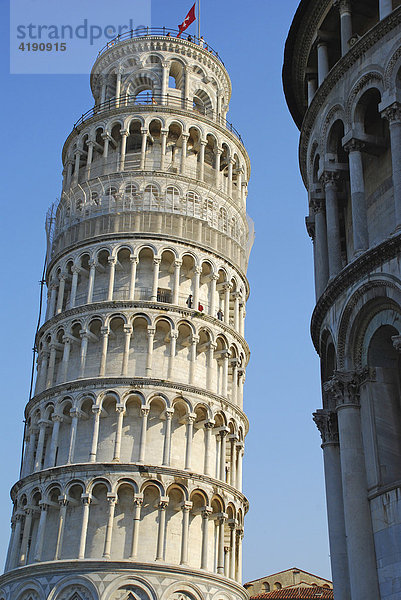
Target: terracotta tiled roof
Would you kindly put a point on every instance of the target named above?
(300, 593)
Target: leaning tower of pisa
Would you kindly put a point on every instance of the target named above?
(130, 487)
(342, 79)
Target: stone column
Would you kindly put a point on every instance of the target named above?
(63, 502)
(112, 269)
(203, 144)
(124, 136)
(74, 414)
(320, 240)
(138, 501)
(326, 422)
(210, 365)
(192, 359)
(118, 87)
(156, 269)
(50, 368)
(208, 426)
(40, 536)
(84, 349)
(164, 133)
(144, 427)
(30, 453)
(69, 172)
(77, 157)
(112, 500)
(168, 413)
(52, 303)
(206, 511)
(57, 419)
(127, 340)
(218, 153)
(95, 435)
(359, 214)
(385, 8)
(89, 157)
(213, 282)
(173, 343)
(223, 433)
(117, 442)
(184, 137)
(220, 554)
(230, 177)
(74, 284)
(91, 280)
(176, 285)
(234, 386)
(232, 525)
(240, 537)
(329, 182)
(103, 357)
(25, 537)
(106, 137)
(134, 262)
(322, 60)
(233, 439)
(240, 457)
(227, 288)
(225, 356)
(187, 103)
(197, 274)
(162, 528)
(185, 507)
(312, 87)
(66, 356)
(16, 541)
(165, 72)
(344, 7)
(144, 133)
(151, 335)
(236, 296)
(41, 443)
(393, 115)
(188, 450)
(86, 500)
(358, 525)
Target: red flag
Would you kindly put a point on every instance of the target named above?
(190, 18)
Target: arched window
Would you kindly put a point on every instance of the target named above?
(193, 204)
(277, 585)
(172, 198)
(223, 220)
(151, 197)
(202, 103)
(266, 586)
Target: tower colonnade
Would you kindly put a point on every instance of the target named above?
(131, 479)
(350, 162)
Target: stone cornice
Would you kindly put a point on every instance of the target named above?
(73, 470)
(143, 304)
(358, 268)
(135, 383)
(367, 41)
(148, 236)
(87, 566)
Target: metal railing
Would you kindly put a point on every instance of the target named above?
(141, 32)
(160, 101)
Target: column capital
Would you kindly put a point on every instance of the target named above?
(75, 412)
(310, 227)
(112, 260)
(104, 330)
(203, 142)
(186, 506)
(86, 498)
(329, 179)
(343, 388)
(63, 501)
(138, 499)
(120, 408)
(57, 418)
(96, 410)
(206, 511)
(111, 498)
(198, 270)
(144, 411)
(317, 205)
(75, 269)
(174, 334)
(93, 263)
(396, 339)
(134, 260)
(191, 418)
(177, 263)
(128, 329)
(327, 424)
(392, 113)
(164, 131)
(124, 132)
(344, 6)
(144, 131)
(168, 413)
(185, 136)
(354, 145)
(163, 503)
(209, 424)
(151, 331)
(157, 260)
(214, 276)
(194, 339)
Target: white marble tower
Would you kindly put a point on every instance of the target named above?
(132, 471)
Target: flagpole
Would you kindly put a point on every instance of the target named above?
(198, 20)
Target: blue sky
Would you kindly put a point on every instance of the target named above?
(283, 472)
